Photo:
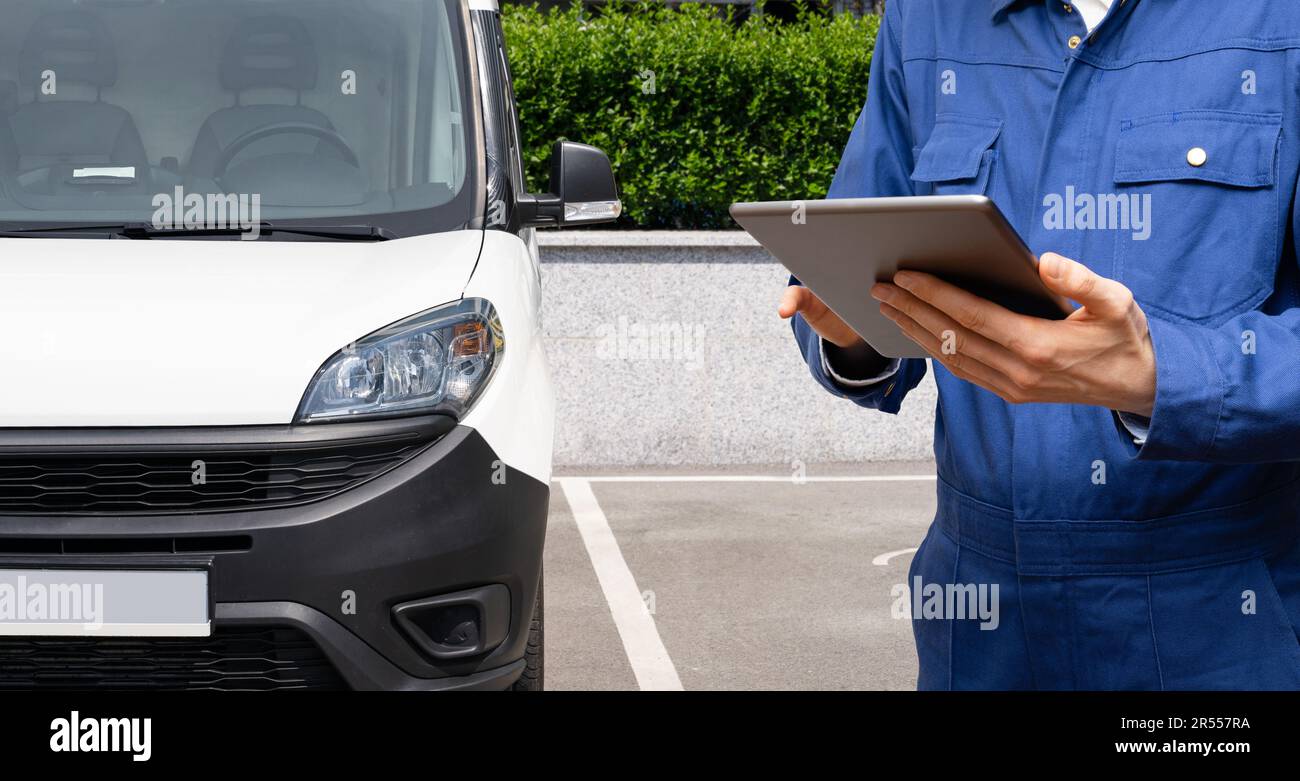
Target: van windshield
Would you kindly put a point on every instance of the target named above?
(218, 114)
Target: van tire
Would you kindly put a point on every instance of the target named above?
(534, 655)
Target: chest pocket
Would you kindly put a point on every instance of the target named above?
(959, 156)
(1205, 244)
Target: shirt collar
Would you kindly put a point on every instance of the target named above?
(1000, 5)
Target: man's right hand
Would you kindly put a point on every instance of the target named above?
(828, 325)
(849, 355)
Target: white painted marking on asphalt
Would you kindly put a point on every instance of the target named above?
(645, 650)
(752, 479)
(883, 559)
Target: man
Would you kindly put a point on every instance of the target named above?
(1129, 478)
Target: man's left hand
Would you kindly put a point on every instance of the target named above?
(1100, 355)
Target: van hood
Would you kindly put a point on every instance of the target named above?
(199, 333)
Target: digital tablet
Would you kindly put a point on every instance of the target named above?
(839, 248)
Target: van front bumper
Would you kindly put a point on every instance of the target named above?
(447, 518)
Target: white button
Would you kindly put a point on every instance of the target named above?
(1196, 157)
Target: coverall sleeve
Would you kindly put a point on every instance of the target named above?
(876, 162)
(1230, 393)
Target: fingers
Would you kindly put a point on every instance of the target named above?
(1101, 296)
(962, 366)
(970, 311)
(954, 340)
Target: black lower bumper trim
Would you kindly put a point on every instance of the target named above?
(359, 664)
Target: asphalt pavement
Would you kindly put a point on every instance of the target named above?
(746, 578)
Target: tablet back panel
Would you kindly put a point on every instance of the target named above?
(838, 248)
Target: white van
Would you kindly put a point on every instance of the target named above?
(274, 409)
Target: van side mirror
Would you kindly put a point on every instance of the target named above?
(582, 190)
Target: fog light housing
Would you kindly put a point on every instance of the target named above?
(459, 625)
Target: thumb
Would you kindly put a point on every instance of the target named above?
(795, 299)
(1101, 296)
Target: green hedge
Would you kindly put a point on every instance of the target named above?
(758, 110)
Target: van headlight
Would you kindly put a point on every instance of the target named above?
(436, 361)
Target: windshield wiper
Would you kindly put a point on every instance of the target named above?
(57, 231)
(147, 231)
(339, 232)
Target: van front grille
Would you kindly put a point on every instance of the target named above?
(232, 659)
(130, 479)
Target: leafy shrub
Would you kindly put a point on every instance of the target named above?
(695, 110)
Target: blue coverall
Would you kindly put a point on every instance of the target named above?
(1179, 568)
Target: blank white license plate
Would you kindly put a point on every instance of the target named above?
(109, 603)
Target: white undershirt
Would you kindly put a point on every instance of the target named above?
(1092, 11)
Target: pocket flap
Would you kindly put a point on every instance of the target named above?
(1226, 147)
(955, 148)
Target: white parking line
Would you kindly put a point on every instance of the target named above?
(751, 479)
(883, 559)
(645, 650)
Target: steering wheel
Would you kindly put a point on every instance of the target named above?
(281, 129)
